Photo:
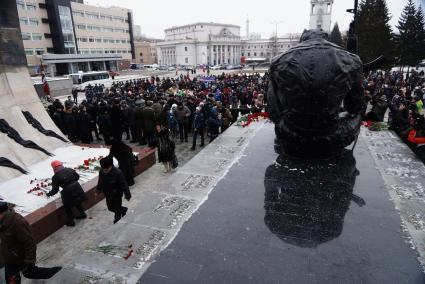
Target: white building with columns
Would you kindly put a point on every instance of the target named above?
(200, 43)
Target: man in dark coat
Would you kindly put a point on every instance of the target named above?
(105, 124)
(113, 184)
(117, 119)
(18, 249)
(148, 116)
(198, 127)
(70, 124)
(124, 155)
(72, 193)
(84, 123)
(138, 122)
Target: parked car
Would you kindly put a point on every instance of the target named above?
(171, 68)
(216, 67)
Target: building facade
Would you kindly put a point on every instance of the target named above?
(99, 38)
(146, 52)
(263, 50)
(200, 43)
(321, 14)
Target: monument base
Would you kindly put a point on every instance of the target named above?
(282, 220)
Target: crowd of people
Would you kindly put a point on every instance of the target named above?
(154, 111)
(401, 98)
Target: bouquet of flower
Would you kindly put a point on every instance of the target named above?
(246, 120)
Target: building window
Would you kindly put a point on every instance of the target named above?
(26, 36)
(185, 49)
(106, 17)
(82, 39)
(78, 13)
(39, 51)
(98, 39)
(37, 36)
(255, 53)
(29, 51)
(33, 22)
(31, 7)
(108, 29)
(186, 60)
(81, 27)
(119, 30)
(262, 54)
(92, 15)
(23, 21)
(243, 54)
(91, 39)
(119, 19)
(20, 5)
(141, 53)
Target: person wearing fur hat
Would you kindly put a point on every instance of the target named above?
(18, 248)
(72, 193)
(113, 184)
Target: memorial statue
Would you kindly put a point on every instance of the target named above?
(315, 97)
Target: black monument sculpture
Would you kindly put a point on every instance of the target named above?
(315, 97)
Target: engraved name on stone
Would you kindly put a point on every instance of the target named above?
(146, 251)
(196, 182)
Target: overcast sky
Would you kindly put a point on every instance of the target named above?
(156, 15)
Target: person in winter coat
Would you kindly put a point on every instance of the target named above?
(114, 186)
(379, 107)
(93, 110)
(127, 116)
(70, 124)
(166, 148)
(138, 122)
(124, 155)
(148, 116)
(72, 193)
(182, 114)
(84, 122)
(105, 124)
(117, 119)
(18, 248)
(172, 122)
(213, 124)
(198, 127)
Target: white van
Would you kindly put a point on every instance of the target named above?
(82, 79)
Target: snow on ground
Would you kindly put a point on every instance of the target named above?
(15, 190)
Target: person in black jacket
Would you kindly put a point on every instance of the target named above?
(117, 119)
(105, 124)
(72, 193)
(70, 124)
(124, 155)
(112, 183)
(84, 122)
(166, 147)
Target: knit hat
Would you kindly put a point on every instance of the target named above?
(3, 206)
(55, 164)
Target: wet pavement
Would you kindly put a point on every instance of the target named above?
(291, 222)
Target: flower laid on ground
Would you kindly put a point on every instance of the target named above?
(375, 126)
(246, 120)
